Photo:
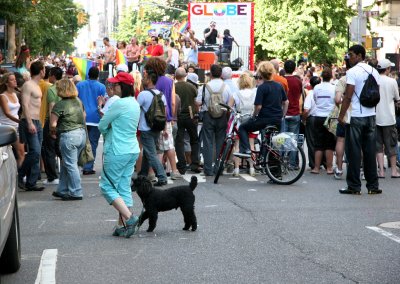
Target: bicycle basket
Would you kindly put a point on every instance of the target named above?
(286, 141)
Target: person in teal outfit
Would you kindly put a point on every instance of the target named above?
(121, 150)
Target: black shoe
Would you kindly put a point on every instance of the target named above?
(160, 183)
(34, 188)
(375, 191)
(68, 197)
(57, 194)
(89, 172)
(21, 184)
(349, 191)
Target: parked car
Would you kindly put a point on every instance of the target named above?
(10, 248)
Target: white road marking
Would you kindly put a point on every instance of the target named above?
(47, 268)
(41, 225)
(200, 178)
(234, 178)
(248, 177)
(111, 220)
(209, 206)
(170, 181)
(385, 234)
(251, 189)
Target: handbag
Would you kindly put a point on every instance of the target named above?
(331, 121)
(86, 155)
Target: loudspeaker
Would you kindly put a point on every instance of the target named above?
(103, 76)
(201, 74)
(395, 58)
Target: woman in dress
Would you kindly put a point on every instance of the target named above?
(23, 62)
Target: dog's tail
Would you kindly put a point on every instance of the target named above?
(193, 183)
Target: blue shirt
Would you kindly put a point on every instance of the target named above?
(144, 99)
(119, 126)
(270, 96)
(193, 56)
(88, 91)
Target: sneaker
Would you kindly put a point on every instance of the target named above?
(88, 172)
(242, 155)
(230, 168)
(252, 172)
(68, 197)
(175, 176)
(236, 172)
(57, 194)
(375, 191)
(34, 188)
(131, 226)
(338, 174)
(152, 178)
(160, 183)
(119, 232)
(349, 191)
(53, 182)
(21, 184)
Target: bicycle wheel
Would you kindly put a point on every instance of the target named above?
(225, 151)
(280, 171)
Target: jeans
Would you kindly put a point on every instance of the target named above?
(94, 136)
(292, 124)
(149, 141)
(71, 145)
(213, 128)
(361, 137)
(191, 128)
(31, 167)
(251, 125)
(116, 177)
(49, 151)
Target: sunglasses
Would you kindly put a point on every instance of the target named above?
(257, 77)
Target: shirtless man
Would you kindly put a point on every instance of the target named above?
(30, 128)
(132, 53)
(109, 54)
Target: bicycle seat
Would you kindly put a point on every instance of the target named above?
(271, 128)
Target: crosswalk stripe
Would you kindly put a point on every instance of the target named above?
(248, 177)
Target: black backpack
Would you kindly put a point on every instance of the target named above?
(370, 95)
(155, 115)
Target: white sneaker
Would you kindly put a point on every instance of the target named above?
(338, 174)
(175, 176)
(236, 172)
(53, 182)
(152, 178)
(252, 172)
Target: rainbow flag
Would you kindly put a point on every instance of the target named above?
(120, 58)
(83, 66)
(183, 26)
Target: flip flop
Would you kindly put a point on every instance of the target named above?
(395, 176)
(329, 173)
(315, 173)
(381, 176)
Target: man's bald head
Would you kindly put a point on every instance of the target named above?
(275, 63)
(180, 73)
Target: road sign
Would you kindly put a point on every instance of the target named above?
(377, 42)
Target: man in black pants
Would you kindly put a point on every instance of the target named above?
(186, 121)
(360, 133)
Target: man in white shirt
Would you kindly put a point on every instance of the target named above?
(386, 132)
(360, 133)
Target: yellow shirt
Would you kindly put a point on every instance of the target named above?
(44, 86)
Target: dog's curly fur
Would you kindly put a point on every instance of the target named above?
(158, 200)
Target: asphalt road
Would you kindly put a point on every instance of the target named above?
(248, 232)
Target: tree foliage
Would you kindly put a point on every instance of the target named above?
(286, 29)
(46, 25)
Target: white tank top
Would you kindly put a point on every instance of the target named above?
(175, 58)
(13, 108)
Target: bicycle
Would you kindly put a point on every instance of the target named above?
(272, 159)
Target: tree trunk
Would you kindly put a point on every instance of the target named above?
(11, 42)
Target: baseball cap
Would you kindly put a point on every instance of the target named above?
(193, 78)
(122, 68)
(385, 63)
(226, 73)
(122, 77)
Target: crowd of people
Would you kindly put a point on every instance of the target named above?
(54, 113)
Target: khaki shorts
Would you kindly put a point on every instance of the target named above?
(165, 144)
(386, 138)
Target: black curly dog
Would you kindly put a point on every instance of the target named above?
(158, 200)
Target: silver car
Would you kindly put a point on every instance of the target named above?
(10, 250)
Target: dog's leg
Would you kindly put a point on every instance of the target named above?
(187, 217)
(194, 221)
(153, 215)
(143, 217)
